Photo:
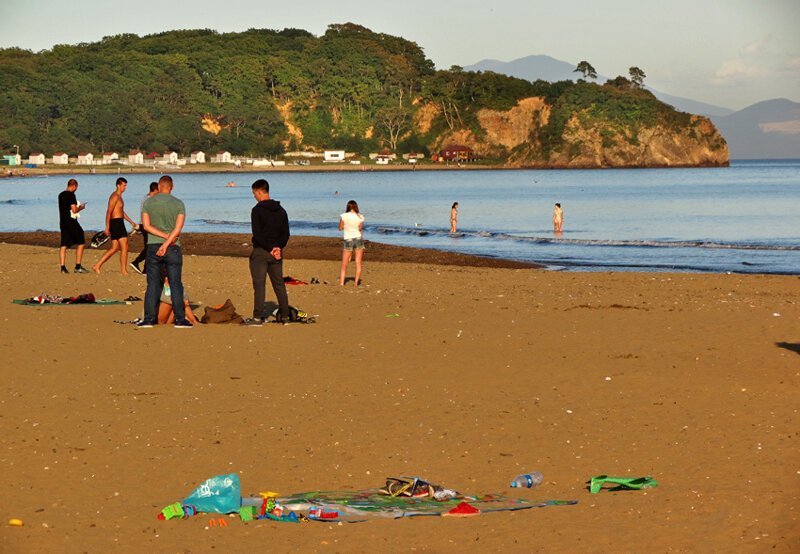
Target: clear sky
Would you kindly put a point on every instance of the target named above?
(729, 53)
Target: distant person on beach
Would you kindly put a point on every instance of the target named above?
(163, 217)
(115, 228)
(351, 223)
(270, 226)
(558, 218)
(143, 254)
(454, 218)
(69, 210)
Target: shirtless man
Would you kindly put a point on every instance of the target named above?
(558, 218)
(115, 228)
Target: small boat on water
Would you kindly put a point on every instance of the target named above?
(231, 184)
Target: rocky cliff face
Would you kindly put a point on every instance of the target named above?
(513, 135)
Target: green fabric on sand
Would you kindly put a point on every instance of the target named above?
(635, 483)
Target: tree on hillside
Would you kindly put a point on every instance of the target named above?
(394, 121)
(587, 70)
(637, 77)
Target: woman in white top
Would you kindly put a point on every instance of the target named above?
(351, 222)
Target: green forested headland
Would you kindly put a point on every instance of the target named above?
(263, 92)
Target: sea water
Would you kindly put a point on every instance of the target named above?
(744, 218)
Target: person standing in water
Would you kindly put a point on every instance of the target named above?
(454, 218)
(558, 218)
(351, 223)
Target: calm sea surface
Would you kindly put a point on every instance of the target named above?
(745, 218)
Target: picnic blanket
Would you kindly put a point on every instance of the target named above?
(56, 300)
(221, 494)
(355, 506)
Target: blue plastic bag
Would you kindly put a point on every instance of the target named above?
(221, 494)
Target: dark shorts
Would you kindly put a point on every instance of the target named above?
(353, 244)
(117, 228)
(72, 234)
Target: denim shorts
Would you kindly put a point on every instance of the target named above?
(353, 244)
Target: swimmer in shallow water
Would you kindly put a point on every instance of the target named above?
(558, 218)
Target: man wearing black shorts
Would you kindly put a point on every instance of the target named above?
(71, 231)
(115, 228)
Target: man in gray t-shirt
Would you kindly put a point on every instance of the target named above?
(163, 217)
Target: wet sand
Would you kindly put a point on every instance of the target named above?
(463, 375)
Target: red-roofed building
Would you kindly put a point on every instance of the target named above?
(135, 157)
(36, 158)
(457, 153)
(85, 158)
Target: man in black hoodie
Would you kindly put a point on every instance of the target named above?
(270, 234)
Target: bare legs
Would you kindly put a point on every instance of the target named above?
(345, 260)
(359, 256)
(120, 245)
(346, 255)
(62, 255)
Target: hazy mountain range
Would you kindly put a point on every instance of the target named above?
(769, 129)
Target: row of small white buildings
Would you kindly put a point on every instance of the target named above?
(172, 159)
(135, 157)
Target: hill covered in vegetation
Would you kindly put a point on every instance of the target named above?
(265, 92)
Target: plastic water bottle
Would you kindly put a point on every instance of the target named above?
(528, 480)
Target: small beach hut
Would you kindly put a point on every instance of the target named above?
(85, 158)
(333, 156)
(135, 157)
(36, 158)
(223, 157)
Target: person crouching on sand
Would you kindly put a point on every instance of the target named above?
(351, 222)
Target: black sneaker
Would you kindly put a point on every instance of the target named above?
(136, 268)
(183, 325)
(253, 322)
(81, 269)
(144, 325)
(64, 269)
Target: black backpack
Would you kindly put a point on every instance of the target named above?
(295, 316)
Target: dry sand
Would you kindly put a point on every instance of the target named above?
(486, 373)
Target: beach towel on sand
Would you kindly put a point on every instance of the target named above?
(56, 300)
(354, 506)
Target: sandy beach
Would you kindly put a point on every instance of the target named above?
(463, 375)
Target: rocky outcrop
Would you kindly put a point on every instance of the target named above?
(514, 136)
(698, 144)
